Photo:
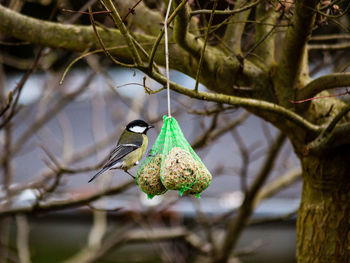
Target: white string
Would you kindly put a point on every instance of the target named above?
(167, 56)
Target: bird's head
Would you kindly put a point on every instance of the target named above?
(138, 126)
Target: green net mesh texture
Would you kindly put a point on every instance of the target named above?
(172, 164)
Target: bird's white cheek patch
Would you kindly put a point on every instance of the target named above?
(138, 129)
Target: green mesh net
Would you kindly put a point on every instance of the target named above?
(172, 164)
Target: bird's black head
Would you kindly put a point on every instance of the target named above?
(138, 126)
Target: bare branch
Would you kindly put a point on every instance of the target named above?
(161, 33)
(264, 36)
(330, 47)
(101, 41)
(330, 37)
(291, 62)
(226, 12)
(108, 4)
(277, 184)
(238, 101)
(234, 32)
(23, 239)
(236, 225)
(323, 140)
(68, 203)
(212, 135)
(146, 19)
(204, 45)
(181, 34)
(59, 105)
(330, 81)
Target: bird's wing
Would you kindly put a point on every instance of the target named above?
(119, 152)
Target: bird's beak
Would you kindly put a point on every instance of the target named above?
(150, 126)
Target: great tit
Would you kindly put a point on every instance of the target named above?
(130, 148)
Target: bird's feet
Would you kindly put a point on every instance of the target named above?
(130, 174)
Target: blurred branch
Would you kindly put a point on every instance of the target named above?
(244, 156)
(161, 33)
(128, 235)
(8, 104)
(330, 37)
(277, 184)
(206, 138)
(203, 138)
(147, 19)
(92, 21)
(201, 58)
(76, 16)
(50, 113)
(212, 111)
(272, 220)
(67, 203)
(337, 46)
(23, 239)
(236, 225)
(131, 10)
(204, 221)
(108, 4)
(226, 12)
(18, 89)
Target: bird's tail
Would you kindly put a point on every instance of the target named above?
(99, 173)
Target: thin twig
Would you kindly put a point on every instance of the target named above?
(238, 101)
(346, 92)
(18, 89)
(237, 224)
(109, 5)
(204, 45)
(161, 34)
(92, 21)
(131, 10)
(87, 13)
(66, 203)
(226, 12)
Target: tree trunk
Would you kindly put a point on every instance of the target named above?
(323, 226)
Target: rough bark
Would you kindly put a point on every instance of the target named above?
(323, 226)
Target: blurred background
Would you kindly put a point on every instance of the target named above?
(60, 135)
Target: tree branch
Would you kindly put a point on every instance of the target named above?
(243, 102)
(277, 184)
(323, 140)
(236, 225)
(210, 136)
(338, 46)
(226, 12)
(204, 45)
(181, 32)
(290, 63)
(266, 49)
(64, 204)
(82, 38)
(108, 4)
(330, 81)
(234, 32)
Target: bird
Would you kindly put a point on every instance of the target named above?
(130, 148)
